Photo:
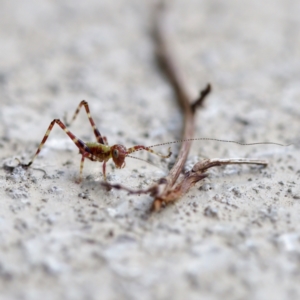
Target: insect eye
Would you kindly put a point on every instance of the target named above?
(116, 153)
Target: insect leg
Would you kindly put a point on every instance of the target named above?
(97, 133)
(80, 144)
(105, 140)
(81, 168)
(104, 170)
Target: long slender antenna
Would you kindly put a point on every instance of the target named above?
(219, 140)
(142, 160)
(141, 147)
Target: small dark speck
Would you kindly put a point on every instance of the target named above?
(206, 187)
(55, 190)
(110, 234)
(68, 162)
(281, 183)
(236, 192)
(83, 195)
(211, 212)
(242, 121)
(34, 180)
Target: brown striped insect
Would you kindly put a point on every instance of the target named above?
(102, 152)
(95, 151)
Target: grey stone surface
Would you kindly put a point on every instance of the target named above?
(237, 237)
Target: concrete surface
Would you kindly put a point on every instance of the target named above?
(236, 236)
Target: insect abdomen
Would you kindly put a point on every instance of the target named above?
(103, 152)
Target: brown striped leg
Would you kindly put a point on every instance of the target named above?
(140, 147)
(104, 170)
(80, 144)
(81, 168)
(84, 155)
(105, 140)
(100, 139)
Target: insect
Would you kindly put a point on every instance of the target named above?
(95, 151)
(102, 152)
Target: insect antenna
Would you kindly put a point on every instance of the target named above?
(142, 160)
(141, 147)
(219, 140)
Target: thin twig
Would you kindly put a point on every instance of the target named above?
(170, 69)
(168, 189)
(190, 178)
(163, 190)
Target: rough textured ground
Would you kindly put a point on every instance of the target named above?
(236, 236)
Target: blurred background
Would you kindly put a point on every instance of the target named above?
(237, 237)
